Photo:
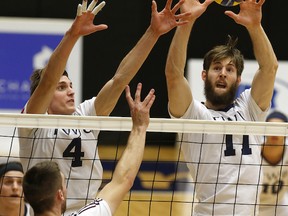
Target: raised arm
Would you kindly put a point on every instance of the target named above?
(51, 74)
(179, 92)
(161, 23)
(250, 17)
(129, 163)
(273, 148)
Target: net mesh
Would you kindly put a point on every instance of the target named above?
(164, 185)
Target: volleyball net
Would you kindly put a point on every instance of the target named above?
(165, 185)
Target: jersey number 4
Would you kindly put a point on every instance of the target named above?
(74, 150)
(230, 151)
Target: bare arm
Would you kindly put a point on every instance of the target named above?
(129, 163)
(51, 74)
(179, 92)
(250, 16)
(273, 151)
(161, 23)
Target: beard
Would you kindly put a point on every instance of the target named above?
(222, 100)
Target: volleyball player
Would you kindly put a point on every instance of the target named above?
(274, 192)
(11, 192)
(225, 168)
(44, 184)
(52, 93)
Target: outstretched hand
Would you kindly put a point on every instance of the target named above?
(195, 8)
(162, 22)
(140, 111)
(250, 13)
(83, 23)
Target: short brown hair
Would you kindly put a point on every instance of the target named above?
(224, 51)
(35, 79)
(40, 185)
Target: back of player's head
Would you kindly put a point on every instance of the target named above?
(222, 52)
(40, 185)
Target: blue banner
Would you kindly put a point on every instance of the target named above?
(20, 54)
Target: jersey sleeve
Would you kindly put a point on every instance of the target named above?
(86, 108)
(246, 102)
(97, 207)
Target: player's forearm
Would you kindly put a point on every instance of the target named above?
(263, 50)
(179, 92)
(268, 65)
(51, 75)
(129, 66)
(128, 166)
(177, 54)
(59, 57)
(132, 62)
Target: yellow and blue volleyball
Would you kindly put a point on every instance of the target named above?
(228, 3)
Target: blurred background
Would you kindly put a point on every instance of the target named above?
(127, 21)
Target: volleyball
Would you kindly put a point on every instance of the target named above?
(228, 3)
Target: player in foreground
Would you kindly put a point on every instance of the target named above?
(45, 187)
(225, 167)
(76, 151)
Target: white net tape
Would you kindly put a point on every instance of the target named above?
(156, 124)
(164, 185)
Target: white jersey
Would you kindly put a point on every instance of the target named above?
(274, 192)
(27, 210)
(74, 150)
(224, 167)
(98, 207)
